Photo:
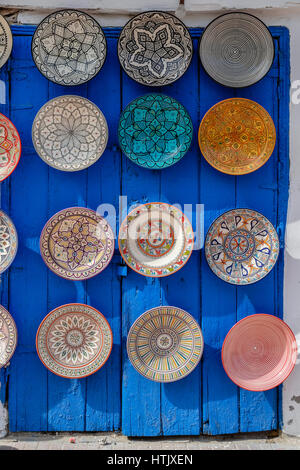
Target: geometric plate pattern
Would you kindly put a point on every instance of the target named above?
(77, 243)
(155, 131)
(241, 246)
(74, 340)
(156, 239)
(237, 136)
(8, 241)
(10, 147)
(69, 133)
(69, 47)
(155, 48)
(165, 344)
(6, 41)
(8, 336)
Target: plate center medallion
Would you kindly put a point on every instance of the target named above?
(156, 238)
(164, 341)
(239, 245)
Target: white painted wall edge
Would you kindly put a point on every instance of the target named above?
(288, 15)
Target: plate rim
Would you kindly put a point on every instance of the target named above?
(245, 100)
(275, 231)
(20, 143)
(16, 335)
(173, 16)
(230, 13)
(201, 336)
(70, 278)
(4, 214)
(70, 96)
(285, 326)
(77, 11)
(149, 275)
(67, 305)
(6, 26)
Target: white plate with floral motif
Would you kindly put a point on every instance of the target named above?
(69, 133)
(241, 246)
(156, 239)
(69, 47)
(74, 341)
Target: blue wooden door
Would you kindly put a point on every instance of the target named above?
(117, 397)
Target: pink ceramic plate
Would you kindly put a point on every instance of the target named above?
(259, 352)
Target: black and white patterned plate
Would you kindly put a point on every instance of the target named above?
(155, 48)
(69, 47)
(6, 41)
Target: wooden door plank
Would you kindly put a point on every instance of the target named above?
(28, 275)
(66, 397)
(181, 401)
(103, 405)
(140, 397)
(217, 193)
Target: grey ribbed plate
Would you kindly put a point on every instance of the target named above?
(236, 49)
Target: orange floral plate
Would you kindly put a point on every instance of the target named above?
(237, 136)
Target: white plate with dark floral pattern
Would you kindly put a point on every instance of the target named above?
(69, 133)
(155, 48)
(69, 47)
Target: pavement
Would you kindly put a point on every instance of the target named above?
(117, 442)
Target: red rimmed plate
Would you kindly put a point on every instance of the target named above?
(156, 239)
(10, 147)
(259, 352)
(74, 341)
(77, 243)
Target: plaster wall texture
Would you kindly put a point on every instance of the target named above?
(200, 13)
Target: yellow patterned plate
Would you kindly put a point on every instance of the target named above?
(237, 136)
(165, 344)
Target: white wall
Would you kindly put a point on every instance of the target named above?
(199, 13)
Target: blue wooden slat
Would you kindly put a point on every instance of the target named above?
(140, 396)
(28, 276)
(104, 291)
(180, 186)
(217, 193)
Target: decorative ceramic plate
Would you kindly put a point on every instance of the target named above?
(165, 344)
(259, 352)
(77, 243)
(69, 133)
(241, 246)
(237, 49)
(8, 336)
(10, 147)
(74, 341)
(156, 239)
(237, 136)
(6, 41)
(155, 131)
(69, 47)
(155, 48)
(8, 241)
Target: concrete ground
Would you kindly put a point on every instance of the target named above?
(117, 442)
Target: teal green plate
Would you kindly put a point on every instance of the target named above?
(155, 131)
